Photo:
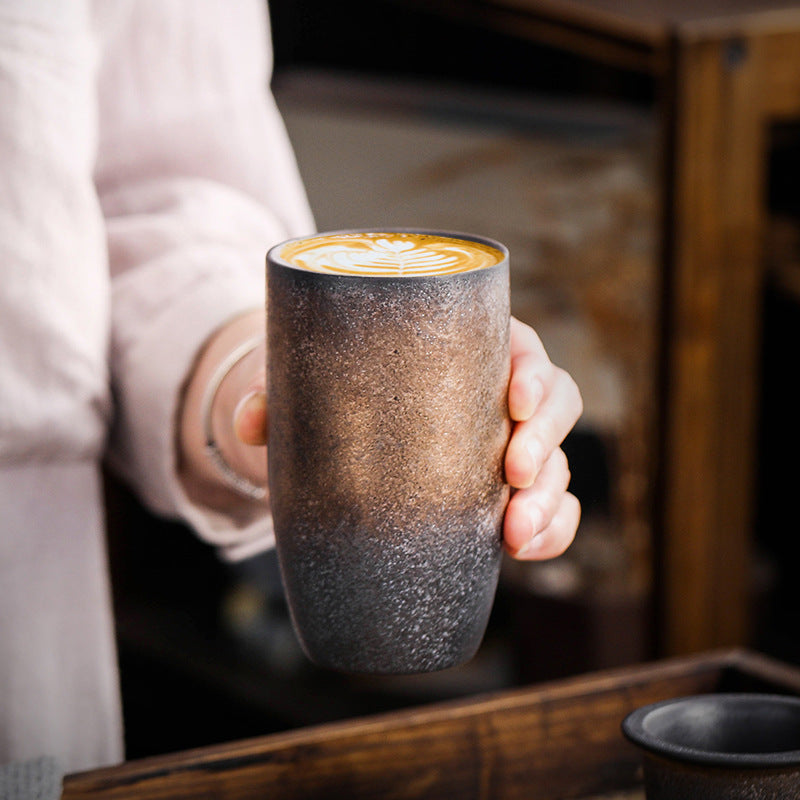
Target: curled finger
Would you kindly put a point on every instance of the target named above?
(531, 510)
(532, 372)
(557, 536)
(533, 440)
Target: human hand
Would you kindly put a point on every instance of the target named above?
(544, 404)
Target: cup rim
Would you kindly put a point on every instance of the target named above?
(274, 256)
(635, 727)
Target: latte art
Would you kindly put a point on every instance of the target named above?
(389, 254)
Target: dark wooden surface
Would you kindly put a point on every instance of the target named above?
(557, 740)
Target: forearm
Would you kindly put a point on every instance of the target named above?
(196, 180)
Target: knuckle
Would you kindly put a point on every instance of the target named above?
(547, 434)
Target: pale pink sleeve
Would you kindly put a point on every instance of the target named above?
(196, 180)
(54, 402)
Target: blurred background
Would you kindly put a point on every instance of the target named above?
(413, 114)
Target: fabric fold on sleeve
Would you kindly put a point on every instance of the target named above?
(189, 282)
(196, 179)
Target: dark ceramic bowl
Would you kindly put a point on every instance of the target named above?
(731, 746)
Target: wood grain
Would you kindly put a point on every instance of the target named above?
(559, 740)
(727, 94)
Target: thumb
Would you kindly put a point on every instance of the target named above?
(250, 418)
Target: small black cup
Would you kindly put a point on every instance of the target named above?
(719, 747)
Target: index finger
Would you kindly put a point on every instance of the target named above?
(532, 372)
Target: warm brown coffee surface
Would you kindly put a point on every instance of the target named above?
(395, 254)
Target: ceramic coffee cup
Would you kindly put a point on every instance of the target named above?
(719, 747)
(387, 374)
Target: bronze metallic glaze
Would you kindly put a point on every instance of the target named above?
(388, 426)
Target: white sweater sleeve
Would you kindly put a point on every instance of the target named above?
(196, 180)
(53, 271)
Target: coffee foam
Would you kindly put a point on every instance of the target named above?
(389, 254)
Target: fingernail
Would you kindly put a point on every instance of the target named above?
(253, 404)
(533, 544)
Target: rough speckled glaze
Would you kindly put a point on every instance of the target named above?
(666, 780)
(388, 426)
(719, 747)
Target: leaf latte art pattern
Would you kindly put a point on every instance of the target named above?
(389, 254)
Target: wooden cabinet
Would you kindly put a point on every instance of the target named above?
(724, 73)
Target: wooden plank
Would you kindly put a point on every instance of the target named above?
(627, 48)
(653, 19)
(692, 295)
(636, 22)
(743, 161)
(714, 276)
(559, 740)
(633, 35)
(780, 89)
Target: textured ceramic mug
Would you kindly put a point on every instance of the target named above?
(388, 426)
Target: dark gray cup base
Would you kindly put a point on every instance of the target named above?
(415, 601)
